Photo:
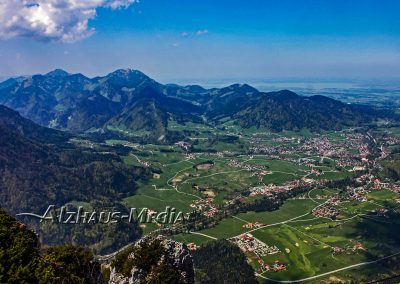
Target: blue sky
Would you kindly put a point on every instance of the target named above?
(202, 41)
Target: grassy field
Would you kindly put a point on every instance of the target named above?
(305, 242)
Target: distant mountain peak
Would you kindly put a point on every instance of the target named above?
(127, 72)
(58, 73)
(244, 87)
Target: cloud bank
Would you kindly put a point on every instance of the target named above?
(54, 20)
(196, 33)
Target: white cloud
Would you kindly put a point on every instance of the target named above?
(202, 32)
(196, 33)
(56, 20)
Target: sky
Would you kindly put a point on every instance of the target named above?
(205, 40)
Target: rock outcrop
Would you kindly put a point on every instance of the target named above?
(155, 259)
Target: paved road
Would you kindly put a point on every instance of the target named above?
(196, 233)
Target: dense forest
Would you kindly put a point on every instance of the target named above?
(36, 174)
(222, 262)
(23, 261)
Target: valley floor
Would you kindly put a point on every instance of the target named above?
(349, 229)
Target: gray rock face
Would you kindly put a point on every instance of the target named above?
(174, 253)
(116, 278)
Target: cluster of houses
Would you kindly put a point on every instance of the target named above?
(271, 189)
(265, 149)
(216, 154)
(357, 194)
(145, 164)
(252, 225)
(190, 156)
(277, 266)
(321, 146)
(236, 164)
(260, 174)
(192, 246)
(206, 206)
(394, 188)
(309, 181)
(328, 209)
(316, 146)
(391, 140)
(287, 139)
(357, 247)
(365, 178)
(317, 172)
(184, 145)
(350, 161)
(375, 183)
(248, 243)
(348, 250)
(364, 152)
(267, 190)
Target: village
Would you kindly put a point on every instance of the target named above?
(319, 146)
(331, 174)
(205, 206)
(248, 243)
(328, 209)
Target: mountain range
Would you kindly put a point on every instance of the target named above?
(128, 101)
